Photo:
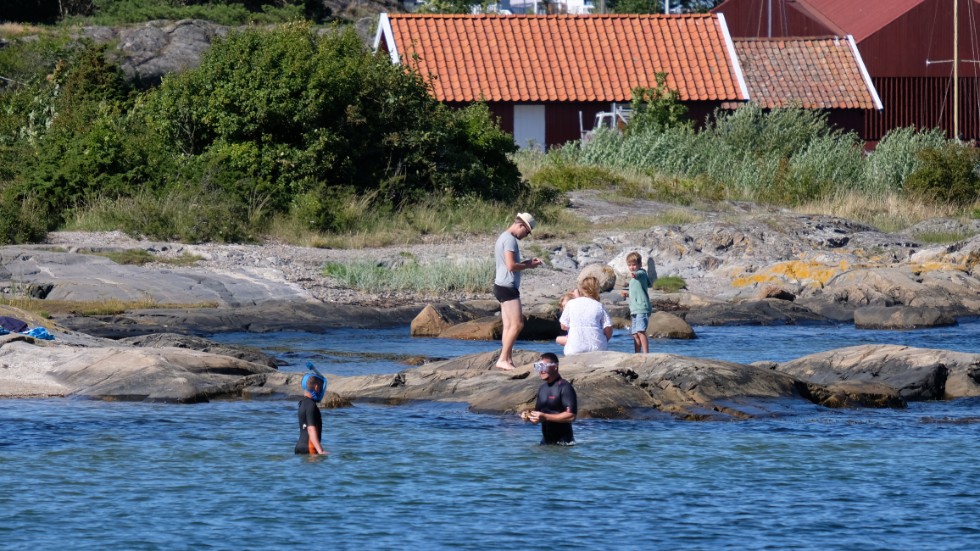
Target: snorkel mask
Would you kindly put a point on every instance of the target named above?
(308, 385)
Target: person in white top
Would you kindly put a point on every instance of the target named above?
(587, 322)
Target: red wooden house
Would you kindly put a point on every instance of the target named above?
(907, 46)
(541, 75)
(809, 73)
(545, 77)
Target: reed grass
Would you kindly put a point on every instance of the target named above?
(888, 212)
(437, 277)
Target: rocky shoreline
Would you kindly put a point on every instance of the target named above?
(744, 265)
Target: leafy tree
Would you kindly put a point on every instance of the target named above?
(638, 6)
(657, 6)
(656, 108)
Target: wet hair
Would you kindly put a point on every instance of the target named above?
(550, 357)
(589, 287)
(634, 258)
(313, 382)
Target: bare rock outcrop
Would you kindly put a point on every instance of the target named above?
(609, 385)
(28, 369)
(916, 373)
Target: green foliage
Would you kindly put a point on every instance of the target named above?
(669, 284)
(946, 175)
(190, 215)
(897, 156)
(565, 177)
(436, 277)
(781, 157)
(20, 222)
(448, 6)
(638, 6)
(223, 12)
(657, 108)
(316, 118)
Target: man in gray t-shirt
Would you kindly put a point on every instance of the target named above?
(507, 282)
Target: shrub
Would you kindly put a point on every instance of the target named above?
(946, 175)
(319, 114)
(657, 108)
(572, 177)
(670, 284)
(20, 222)
(896, 157)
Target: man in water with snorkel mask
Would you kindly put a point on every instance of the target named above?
(310, 420)
(557, 404)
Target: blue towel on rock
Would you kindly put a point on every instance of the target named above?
(40, 333)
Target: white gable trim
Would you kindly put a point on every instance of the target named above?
(864, 73)
(733, 55)
(385, 32)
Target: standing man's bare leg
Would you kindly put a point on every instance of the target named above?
(513, 321)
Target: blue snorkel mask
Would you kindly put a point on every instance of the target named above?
(305, 383)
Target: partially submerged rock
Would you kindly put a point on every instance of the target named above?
(609, 385)
(916, 373)
(901, 317)
(121, 373)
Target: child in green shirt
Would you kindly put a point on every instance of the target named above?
(639, 301)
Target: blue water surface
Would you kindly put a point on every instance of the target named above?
(101, 475)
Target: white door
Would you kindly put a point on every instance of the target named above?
(529, 126)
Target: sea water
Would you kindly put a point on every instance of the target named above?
(101, 475)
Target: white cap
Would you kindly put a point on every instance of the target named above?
(527, 219)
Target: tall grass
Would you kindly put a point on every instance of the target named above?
(888, 212)
(440, 218)
(437, 277)
(786, 157)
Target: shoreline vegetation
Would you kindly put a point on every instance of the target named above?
(320, 143)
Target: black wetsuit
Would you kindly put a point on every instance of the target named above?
(309, 414)
(556, 397)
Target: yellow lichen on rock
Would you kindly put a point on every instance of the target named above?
(795, 271)
(938, 267)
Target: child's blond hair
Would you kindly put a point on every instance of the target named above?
(634, 258)
(589, 287)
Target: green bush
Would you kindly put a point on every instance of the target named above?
(657, 108)
(191, 215)
(571, 177)
(670, 284)
(320, 114)
(20, 222)
(223, 12)
(896, 157)
(946, 175)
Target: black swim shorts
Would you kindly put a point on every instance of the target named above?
(505, 294)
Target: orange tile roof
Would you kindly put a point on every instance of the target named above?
(812, 73)
(528, 58)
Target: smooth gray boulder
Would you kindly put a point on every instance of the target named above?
(122, 373)
(901, 317)
(769, 311)
(916, 373)
(663, 325)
